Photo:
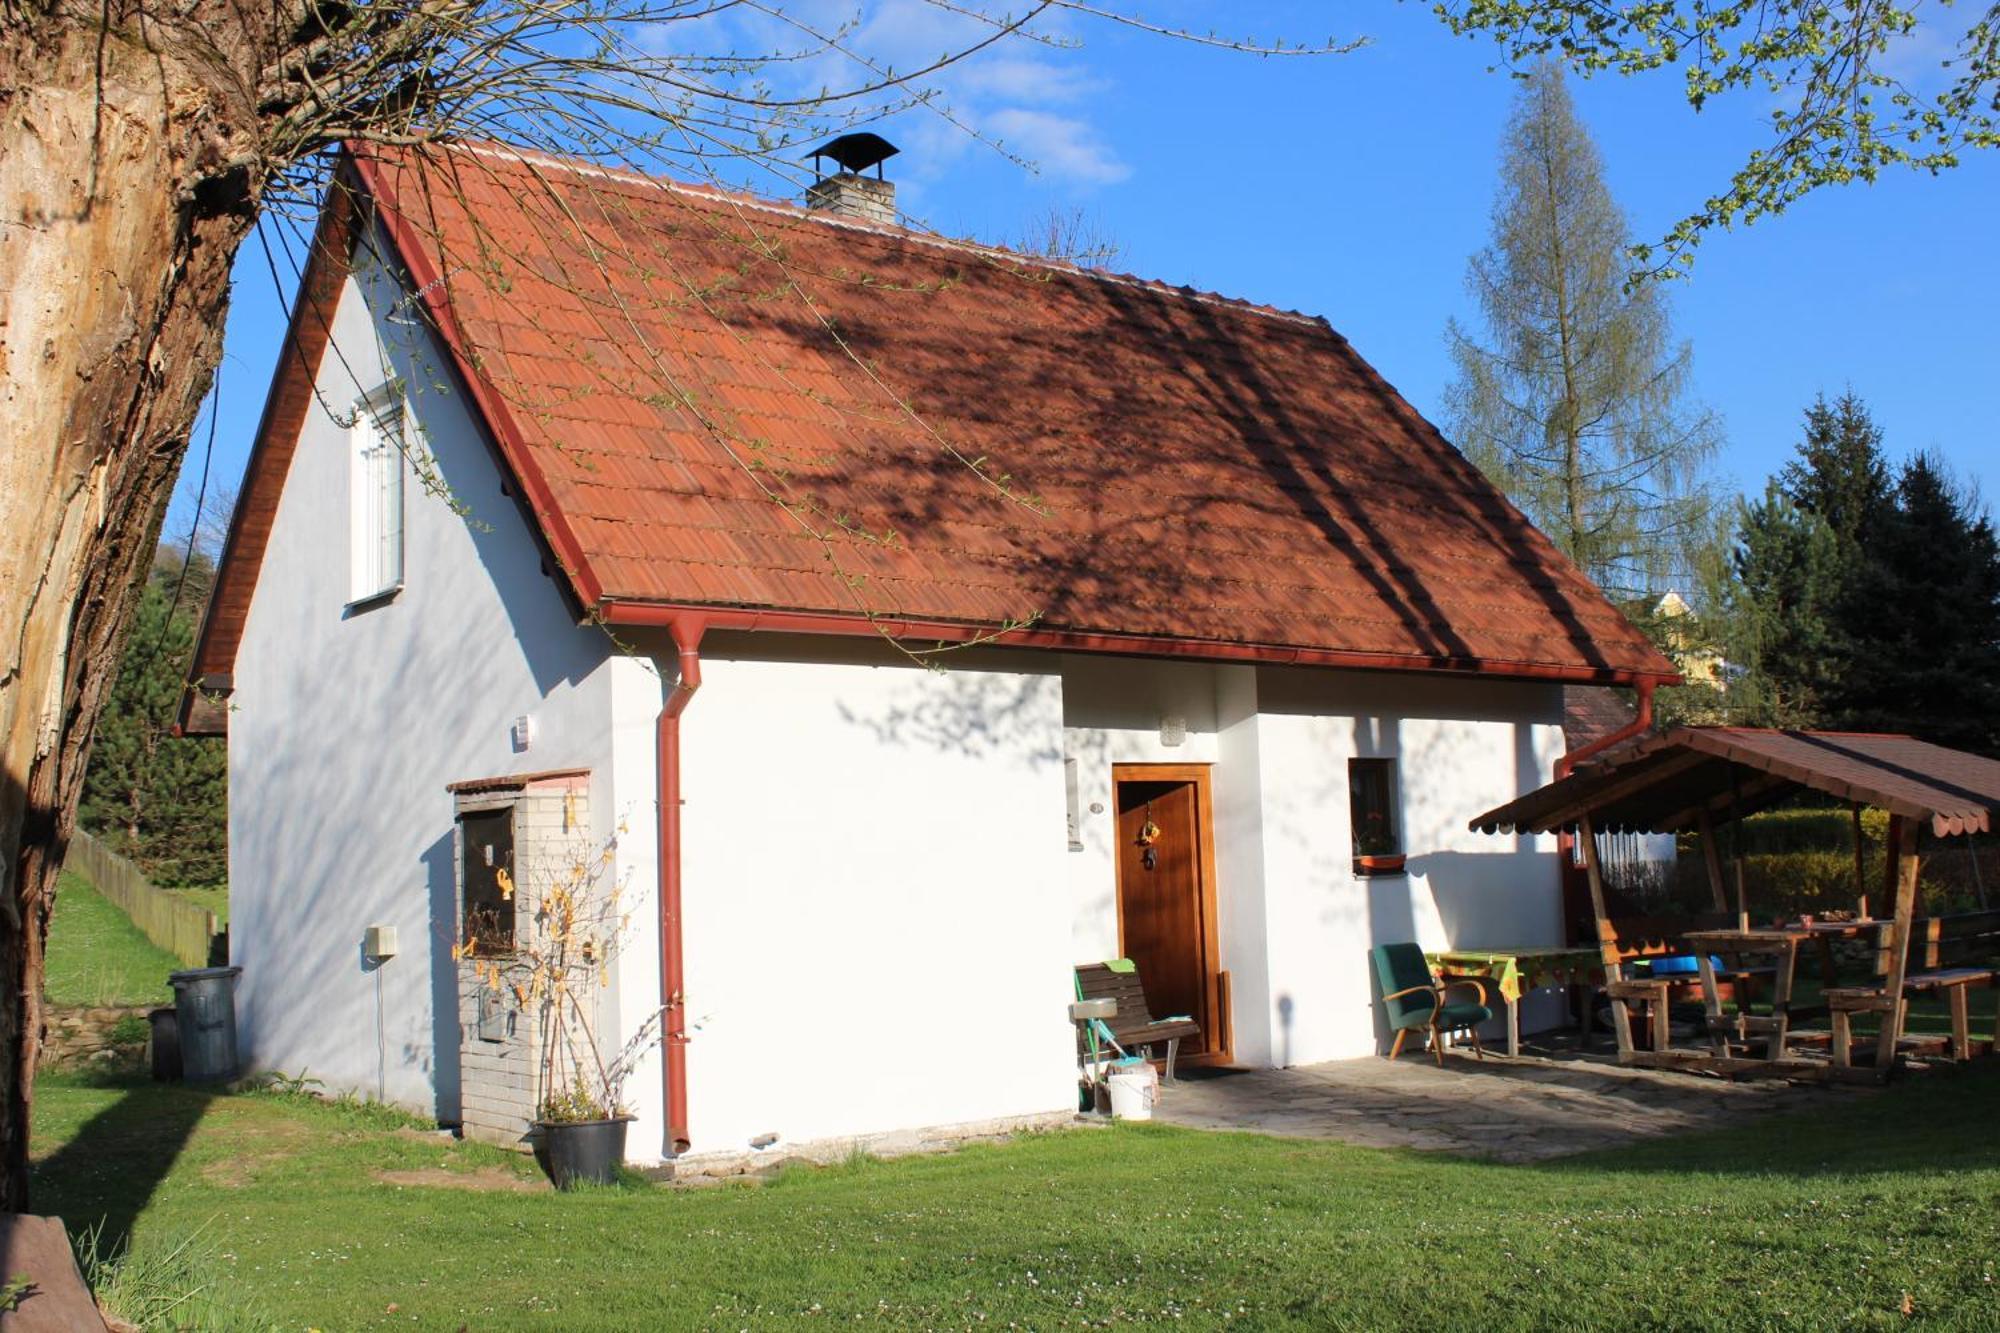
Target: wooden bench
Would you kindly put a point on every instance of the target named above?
(1133, 1027)
(1951, 955)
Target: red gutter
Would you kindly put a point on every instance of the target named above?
(686, 632)
(1636, 727)
(804, 622)
(1566, 838)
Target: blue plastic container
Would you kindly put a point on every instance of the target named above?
(1678, 965)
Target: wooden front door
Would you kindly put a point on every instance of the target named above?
(1166, 896)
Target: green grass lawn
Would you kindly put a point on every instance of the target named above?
(97, 956)
(305, 1215)
(215, 897)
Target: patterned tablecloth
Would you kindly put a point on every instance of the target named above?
(1514, 971)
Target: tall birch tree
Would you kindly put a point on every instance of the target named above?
(1575, 400)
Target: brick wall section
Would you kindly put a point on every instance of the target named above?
(497, 1076)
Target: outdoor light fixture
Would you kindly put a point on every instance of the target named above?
(1173, 728)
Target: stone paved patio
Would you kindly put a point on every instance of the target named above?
(1512, 1110)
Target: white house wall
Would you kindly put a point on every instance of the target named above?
(1294, 922)
(347, 723)
(1461, 746)
(876, 924)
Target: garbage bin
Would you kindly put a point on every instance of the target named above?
(166, 1045)
(205, 1005)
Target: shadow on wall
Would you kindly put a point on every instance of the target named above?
(1493, 900)
(1392, 919)
(434, 716)
(441, 875)
(968, 711)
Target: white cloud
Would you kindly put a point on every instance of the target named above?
(1006, 93)
(1056, 81)
(1060, 146)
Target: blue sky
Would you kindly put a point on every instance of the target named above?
(1356, 186)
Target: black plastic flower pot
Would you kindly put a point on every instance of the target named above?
(574, 1152)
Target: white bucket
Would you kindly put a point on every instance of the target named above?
(1132, 1096)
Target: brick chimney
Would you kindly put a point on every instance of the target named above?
(847, 192)
(867, 198)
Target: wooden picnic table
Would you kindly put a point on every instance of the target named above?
(1781, 943)
(1515, 971)
(1824, 933)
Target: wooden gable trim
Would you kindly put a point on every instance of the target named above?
(291, 397)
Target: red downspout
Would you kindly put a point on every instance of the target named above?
(1637, 726)
(686, 633)
(1573, 893)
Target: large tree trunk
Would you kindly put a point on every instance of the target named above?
(123, 199)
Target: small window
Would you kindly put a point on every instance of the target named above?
(380, 440)
(1371, 804)
(487, 837)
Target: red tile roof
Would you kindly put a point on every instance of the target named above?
(714, 402)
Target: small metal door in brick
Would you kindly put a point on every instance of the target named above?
(486, 923)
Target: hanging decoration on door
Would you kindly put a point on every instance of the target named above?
(1149, 836)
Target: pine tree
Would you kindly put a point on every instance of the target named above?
(1840, 473)
(1784, 635)
(1922, 617)
(158, 798)
(1866, 597)
(1576, 403)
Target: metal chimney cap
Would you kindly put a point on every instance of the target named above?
(856, 152)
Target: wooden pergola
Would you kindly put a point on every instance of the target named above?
(1700, 778)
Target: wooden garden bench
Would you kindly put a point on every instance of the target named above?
(1134, 1026)
(1953, 956)
(1950, 955)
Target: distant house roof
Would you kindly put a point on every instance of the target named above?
(715, 404)
(1664, 784)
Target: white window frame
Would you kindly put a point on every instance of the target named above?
(377, 467)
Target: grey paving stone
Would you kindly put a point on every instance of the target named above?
(1514, 1110)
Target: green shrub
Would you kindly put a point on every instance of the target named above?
(1816, 829)
(1819, 880)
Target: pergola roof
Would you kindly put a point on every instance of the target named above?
(1666, 783)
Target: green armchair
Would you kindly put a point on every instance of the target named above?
(1414, 999)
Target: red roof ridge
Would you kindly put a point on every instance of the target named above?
(748, 199)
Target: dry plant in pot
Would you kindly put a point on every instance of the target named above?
(554, 975)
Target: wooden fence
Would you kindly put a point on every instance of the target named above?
(168, 920)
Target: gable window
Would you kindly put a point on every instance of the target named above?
(1371, 806)
(376, 466)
